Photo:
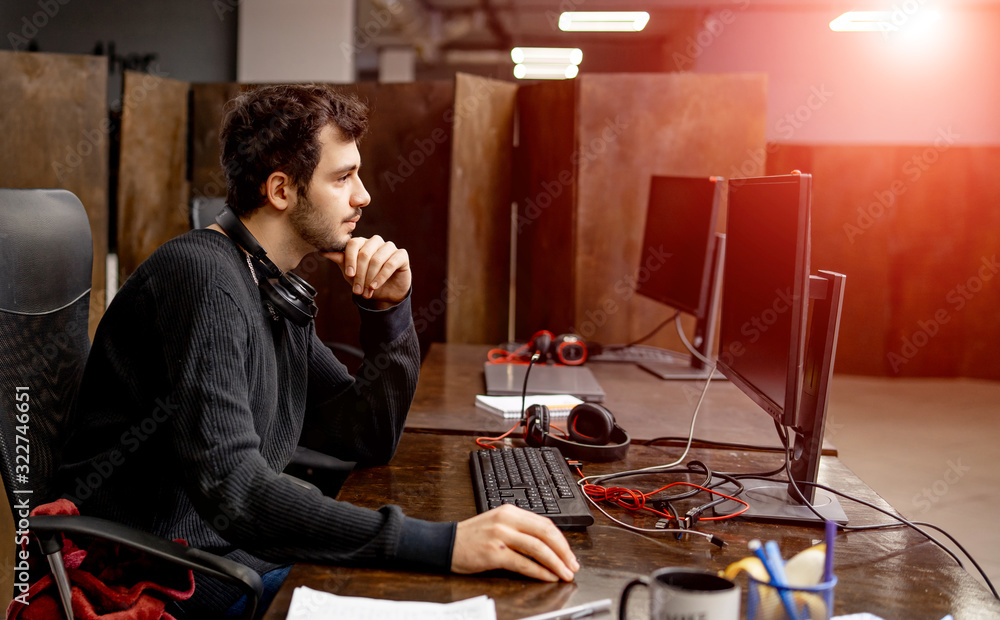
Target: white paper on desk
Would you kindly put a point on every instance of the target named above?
(309, 604)
(510, 406)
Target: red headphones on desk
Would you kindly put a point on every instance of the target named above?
(567, 349)
(594, 435)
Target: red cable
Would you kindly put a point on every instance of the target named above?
(634, 500)
(503, 356)
(480, 440)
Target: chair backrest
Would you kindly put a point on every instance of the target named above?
(46, 256)
(204, 210)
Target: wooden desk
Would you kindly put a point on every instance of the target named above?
(646, 406)
(894, 574)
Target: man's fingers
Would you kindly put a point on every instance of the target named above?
(350, 264)
(336, 257)
(513, 561)
(541, 551)
(514, 539)
(376, 263)
(362, 256)
(390, 265)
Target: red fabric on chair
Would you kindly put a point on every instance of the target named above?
(109, 581)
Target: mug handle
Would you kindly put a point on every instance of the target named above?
(640, 581)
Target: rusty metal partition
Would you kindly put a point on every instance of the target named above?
(56, 131)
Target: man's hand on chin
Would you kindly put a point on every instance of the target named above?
(376, 269)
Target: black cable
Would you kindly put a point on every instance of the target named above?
(618, 347)
(725, 479)
(524, 388)
(802, 499)
(726, 444)
(903, 523)
(710, 443)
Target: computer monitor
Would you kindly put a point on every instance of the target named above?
(680, 227)
(778, 334)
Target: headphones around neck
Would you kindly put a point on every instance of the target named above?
(286, 293)
(594, 435)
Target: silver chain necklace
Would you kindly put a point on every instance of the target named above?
(253, 274)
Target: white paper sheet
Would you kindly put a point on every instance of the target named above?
(309, 604)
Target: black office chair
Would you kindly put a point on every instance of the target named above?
(45, 266)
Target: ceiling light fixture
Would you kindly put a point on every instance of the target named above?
(547, 55)
(545, 72)
(881, 21)
(603, 21)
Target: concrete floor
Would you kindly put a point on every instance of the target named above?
(930, 448)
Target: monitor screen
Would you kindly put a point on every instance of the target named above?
(680, 228)
(765, 295)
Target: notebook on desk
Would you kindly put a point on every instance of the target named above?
(508, 380)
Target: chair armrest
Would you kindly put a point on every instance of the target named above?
(227, 570)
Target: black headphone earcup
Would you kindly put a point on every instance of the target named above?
(290, 302)
(536, 427)
(590, 424)
(304, 289)
(288, 294)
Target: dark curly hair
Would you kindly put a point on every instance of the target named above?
(277, 128)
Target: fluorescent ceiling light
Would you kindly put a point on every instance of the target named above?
(880, 21)
(547, 55)
(603, 21)
(546, 72)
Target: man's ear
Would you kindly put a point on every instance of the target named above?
(279, 190)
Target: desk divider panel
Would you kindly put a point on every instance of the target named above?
(545, 188)
(55, 131)
(208, 103)
(617, 131)
(981, 314)
(911, 226)
(478, 294)
(406, 163)
(152, 184)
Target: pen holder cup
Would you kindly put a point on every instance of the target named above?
(768, 602)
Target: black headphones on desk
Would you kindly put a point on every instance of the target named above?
(286, 292)
(594, 435)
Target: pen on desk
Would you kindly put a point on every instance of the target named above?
(572, 613)
(777, 576)
(831, 533)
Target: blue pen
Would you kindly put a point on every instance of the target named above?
(831, 533)
(776, 571)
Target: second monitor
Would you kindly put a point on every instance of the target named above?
(681, 224)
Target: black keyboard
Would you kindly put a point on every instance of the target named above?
(536, 479)
(636, 354)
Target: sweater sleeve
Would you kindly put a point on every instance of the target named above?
(362, 418)
(230, 484)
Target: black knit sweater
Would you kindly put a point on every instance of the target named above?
(194, 398)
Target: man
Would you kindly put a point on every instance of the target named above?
(196, 392)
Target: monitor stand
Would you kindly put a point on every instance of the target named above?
(770, 501)
(681, 369)
(688, 366)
